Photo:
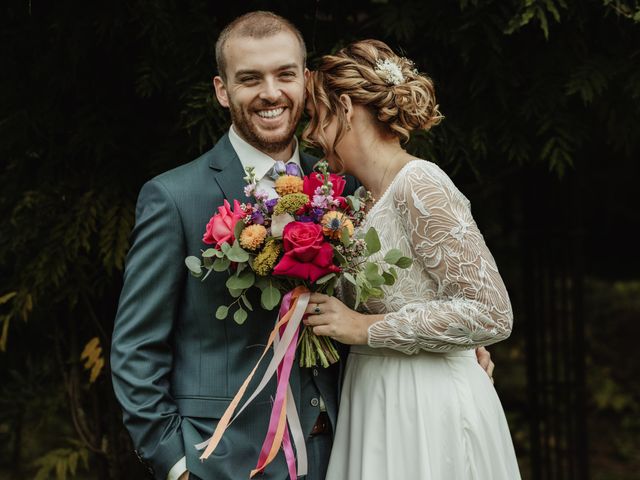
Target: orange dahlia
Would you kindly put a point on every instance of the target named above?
(252, 237)
(286, 184)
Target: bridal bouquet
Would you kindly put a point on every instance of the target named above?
(307, 239)
(304, 237)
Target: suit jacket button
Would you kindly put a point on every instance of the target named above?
(315, 402)
(315, 372)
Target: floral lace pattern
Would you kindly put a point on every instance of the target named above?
(452, 297)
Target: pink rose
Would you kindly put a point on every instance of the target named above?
(306, 253)
(221, 226)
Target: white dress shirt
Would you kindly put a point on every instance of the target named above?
(261, 162)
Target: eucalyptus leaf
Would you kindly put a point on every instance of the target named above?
(325, 279)
(350, 278)
(237, 230)
(389, 279)
(393, 256)
(225, 247)
(210, 252)
(261, 283)
(240, 316)
(372, 240)
(236, 292)
(373, 275)
(194, 265)
(242, 281)
(221, 264)
(353, 202)
(270, 297)
(222, 312)
(345, 238)
(237, 254)
(246, 302)
(404, 262)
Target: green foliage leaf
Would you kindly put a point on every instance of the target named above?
(325, 278)
(240, 316)
(404, 262)
(246, 302)
(372, 240)
(194, 265)
(393, 256)
(222, 312)
(211, 252)
(221, 264)
(237, 254)
(242, 281)
(270, 297)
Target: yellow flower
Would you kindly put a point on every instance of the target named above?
(291, 203)
(334, 222)
(265, 261)
(286, 184)
(252, 237)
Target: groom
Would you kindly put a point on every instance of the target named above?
(175, 367)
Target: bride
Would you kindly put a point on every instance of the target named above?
(415, 402)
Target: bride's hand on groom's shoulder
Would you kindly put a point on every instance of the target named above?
(331, 318)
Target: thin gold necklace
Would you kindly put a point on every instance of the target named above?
(384, 176)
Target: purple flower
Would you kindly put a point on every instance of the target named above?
(279, 168)
(317, 214)
(305, 219)
(293, 169)
(257, 217)
(260, 195)
(270, 204)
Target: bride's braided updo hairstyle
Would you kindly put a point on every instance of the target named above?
(372, 75)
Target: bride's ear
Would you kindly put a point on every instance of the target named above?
(345, 100)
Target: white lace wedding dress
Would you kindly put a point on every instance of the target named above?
(415, 404)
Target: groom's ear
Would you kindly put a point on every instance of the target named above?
(221, 91)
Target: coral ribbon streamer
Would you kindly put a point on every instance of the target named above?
(292, 310)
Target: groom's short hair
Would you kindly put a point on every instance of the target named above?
(258, 24)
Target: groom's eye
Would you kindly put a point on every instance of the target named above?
(288, 74)
(248, 79)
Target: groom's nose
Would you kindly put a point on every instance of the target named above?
(271, 90)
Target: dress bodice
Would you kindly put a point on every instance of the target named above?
(452, 296)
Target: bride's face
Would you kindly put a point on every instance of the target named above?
(324, 134)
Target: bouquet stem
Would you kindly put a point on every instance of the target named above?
(314, 349)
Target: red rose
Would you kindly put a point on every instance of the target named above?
(306, 254)
(311, 182)
(220, 228)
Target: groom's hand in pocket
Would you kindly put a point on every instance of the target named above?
(484, 359)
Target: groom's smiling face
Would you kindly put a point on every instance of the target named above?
(263, 87)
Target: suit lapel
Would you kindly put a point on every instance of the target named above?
(307, 162)
(229, 172)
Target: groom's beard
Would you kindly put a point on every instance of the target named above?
(241, 119)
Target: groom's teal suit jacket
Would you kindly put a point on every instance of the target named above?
(175, 366)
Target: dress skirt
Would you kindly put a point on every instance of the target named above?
(430, 416)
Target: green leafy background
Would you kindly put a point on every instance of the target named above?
(97, 97)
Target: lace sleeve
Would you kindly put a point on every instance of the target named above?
(471, 307)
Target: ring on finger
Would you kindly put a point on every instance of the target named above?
(316, 310)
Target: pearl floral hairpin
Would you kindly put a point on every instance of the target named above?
(389, 71)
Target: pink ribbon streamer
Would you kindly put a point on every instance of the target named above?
(281, 364)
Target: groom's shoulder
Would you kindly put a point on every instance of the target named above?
(197, 169)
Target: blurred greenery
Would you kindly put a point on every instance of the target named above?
(97, 97)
